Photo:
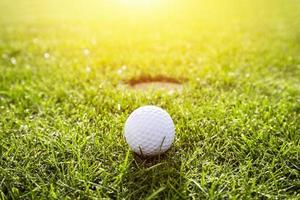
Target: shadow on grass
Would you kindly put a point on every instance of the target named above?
(153, 177)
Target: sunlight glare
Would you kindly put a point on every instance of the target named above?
(140, 4)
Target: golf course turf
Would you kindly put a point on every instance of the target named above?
(64, 98)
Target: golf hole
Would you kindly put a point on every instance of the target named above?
(159, 82)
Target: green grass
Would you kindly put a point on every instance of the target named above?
(62, 111)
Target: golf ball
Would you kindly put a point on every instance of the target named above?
(149, 130)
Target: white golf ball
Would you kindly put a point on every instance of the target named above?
(149, 130)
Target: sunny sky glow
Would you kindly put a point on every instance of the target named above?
(140, 4)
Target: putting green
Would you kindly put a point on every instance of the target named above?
(63, 101)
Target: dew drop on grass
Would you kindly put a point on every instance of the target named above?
(122, 69)
(13, 61)
(46, 55)
(86, 52)
(88, 69)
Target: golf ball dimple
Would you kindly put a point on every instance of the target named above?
(149, 130)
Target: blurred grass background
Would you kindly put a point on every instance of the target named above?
(184, 34)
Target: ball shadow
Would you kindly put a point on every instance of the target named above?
(149, 174)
